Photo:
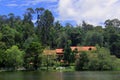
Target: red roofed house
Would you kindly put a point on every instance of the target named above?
(60, 52)
(84, 48)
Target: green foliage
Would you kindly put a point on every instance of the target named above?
(15, 31)
(67, 52)
(44, 25)
(93, 38)
(102, 60)
(98, 60)
(81, 63)
(115, 44)
(2, 58)
(14, 58)
(48, 61)
(8, 35)
(33, 56)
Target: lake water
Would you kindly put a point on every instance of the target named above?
(109, 75)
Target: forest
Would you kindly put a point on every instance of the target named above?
(22, 41)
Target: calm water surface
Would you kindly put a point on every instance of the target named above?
(60, 75)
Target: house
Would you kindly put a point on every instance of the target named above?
(49, 52)
(59, 53)
(78, 48)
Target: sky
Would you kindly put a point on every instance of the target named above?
(67, 11)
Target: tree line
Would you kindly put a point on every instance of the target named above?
(22, 41)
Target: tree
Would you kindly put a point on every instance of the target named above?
(33, 56)
(93, 38)
(76, 35)
(45, 23)
(52, 38)
(2, 54)
(29, 40)
(113, 23)
(39, 12)
(3, 20)
(28, 16)
(96, 60)
(67, 53)
(86, 27)
(82, 62)
(62, 40)
(8, 35)
(115, 44)
(14, 58)
(104, 59)
(57, 26)
(11, 19)
(27, 30)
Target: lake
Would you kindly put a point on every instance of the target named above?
(106, 75)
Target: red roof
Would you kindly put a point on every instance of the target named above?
(86, 48)
(73, 48)
(59, 51)
(79, 48)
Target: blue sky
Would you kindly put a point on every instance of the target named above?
(73, 11)
(18, 7)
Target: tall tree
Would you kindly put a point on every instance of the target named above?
(46, 22)
(11, 19)
(28, 16)
(86, 26)
(113, 23)
(33, 56)
(39, 12)
(67, 52)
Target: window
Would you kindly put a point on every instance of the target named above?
(90, 49)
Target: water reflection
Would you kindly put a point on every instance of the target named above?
(92, 76)
(60, 75)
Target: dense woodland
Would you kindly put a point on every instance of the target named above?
(22, 41)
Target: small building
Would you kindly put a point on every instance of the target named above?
(49, 52)
(78, 48)
(60, 52)
(83, 48)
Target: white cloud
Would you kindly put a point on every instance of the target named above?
(92, 11)
(35, 2)
(12, 5)
(22, 3)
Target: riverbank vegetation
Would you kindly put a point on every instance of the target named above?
(99, 60)
(22, 42)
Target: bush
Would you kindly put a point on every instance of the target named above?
(14, 58)
(99, 60)
(81, 63)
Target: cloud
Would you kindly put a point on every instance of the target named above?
(35, 2)
(92, 11)
(12, 5)
(22, 3)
